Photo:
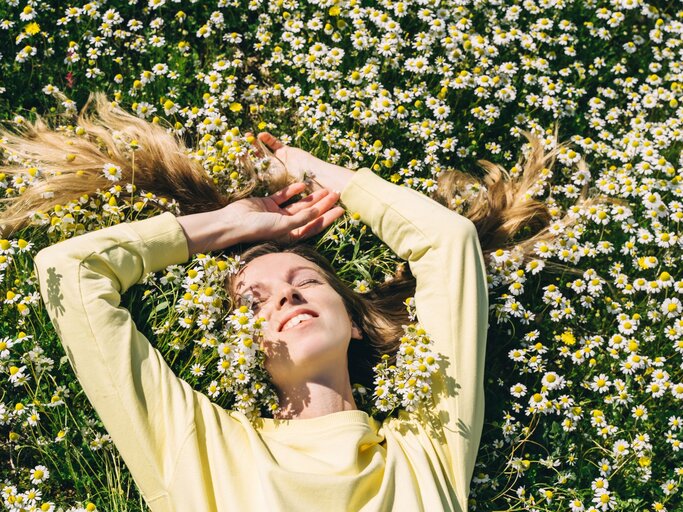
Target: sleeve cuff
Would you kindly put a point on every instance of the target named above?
(361, 193)
(164, 242)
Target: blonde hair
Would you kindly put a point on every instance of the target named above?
(504, 208)
(501, 206)
(73, 165)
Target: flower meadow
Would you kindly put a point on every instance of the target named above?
(584, 384)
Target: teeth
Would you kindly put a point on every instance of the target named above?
(292, 322)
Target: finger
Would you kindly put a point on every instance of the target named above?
(285, 194)
(308, 201)
(308, 214)
(269, 140)
(318, 225)
(315, 210)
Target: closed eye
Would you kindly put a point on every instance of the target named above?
(251, 301)
(255, 303)
(308, 281)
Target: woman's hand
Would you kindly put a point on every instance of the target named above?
(302, 165)
(262, 218)
(265, 219)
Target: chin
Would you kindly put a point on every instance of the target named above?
(303, 356)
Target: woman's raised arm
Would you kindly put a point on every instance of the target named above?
(146, 409)
(262, 218)
(451, 297)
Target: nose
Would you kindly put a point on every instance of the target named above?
(288, 294)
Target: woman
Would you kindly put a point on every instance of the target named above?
(321, 453)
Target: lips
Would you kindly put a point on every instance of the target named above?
(294, 318)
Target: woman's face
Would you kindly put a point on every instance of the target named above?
(309, 328)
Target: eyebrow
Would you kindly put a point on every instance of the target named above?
(291, 273)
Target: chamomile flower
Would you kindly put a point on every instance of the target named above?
(112, 172)
(39, 474)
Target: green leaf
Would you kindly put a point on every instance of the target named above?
(161, 306)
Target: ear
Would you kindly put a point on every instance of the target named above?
(356, 333)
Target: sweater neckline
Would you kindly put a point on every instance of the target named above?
(333, 420)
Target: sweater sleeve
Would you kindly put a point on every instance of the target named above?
(451, 298)
(146, 409)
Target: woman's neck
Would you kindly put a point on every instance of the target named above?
(315, 397)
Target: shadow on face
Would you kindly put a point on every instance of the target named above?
(297, 397)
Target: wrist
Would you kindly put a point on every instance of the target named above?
(209, 231)
(332, 177)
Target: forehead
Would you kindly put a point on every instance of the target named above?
(278, 265)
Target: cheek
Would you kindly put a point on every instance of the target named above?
(340, 320)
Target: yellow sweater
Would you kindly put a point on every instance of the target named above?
(187, 454)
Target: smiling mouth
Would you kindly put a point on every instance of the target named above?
(296, 320)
